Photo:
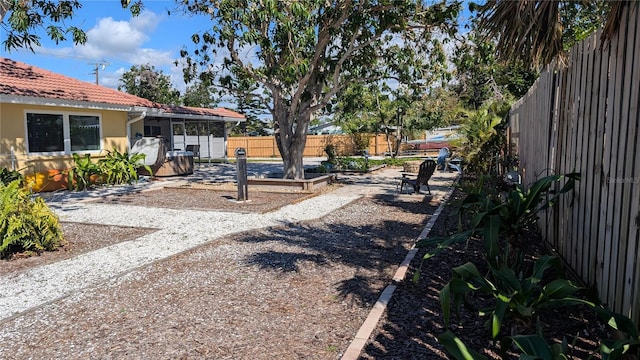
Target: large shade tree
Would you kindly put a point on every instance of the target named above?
(301, 53)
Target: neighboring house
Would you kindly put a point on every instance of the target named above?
(325, 129)
(45, 117)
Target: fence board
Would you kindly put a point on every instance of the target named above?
(624, 279)
(592, 164)
(634, 113)
(266, 146)
(568, 150)
(600, 177)
(584, 211)
(554, 144)
(618, 142)
(577, 120)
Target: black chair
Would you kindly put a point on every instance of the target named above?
(424, 174)
(195, 149)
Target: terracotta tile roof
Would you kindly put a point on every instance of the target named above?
(188, 110)
(20, 79)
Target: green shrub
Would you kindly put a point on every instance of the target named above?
(495, 219)
(80, 174)
(7, 176)
(26, 224)
(121, 168)
(516, 292)
(514, 295)
(115, 169)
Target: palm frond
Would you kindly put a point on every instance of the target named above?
(532, 30)
(612, 25)
(529, 30)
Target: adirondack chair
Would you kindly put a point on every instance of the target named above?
(424, 174)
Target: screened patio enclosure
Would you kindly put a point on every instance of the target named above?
(209, 135)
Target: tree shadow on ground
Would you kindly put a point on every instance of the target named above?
(373, 247)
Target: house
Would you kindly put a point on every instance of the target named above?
(45, 117)
(325, 129)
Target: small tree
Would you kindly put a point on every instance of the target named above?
(199, 94)
(147, 82)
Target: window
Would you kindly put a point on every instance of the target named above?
(45, 132)
(84, 132)
(152, 130)
(62, 133)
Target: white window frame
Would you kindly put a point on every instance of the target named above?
(66, 131)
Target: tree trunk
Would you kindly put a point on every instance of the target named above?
(291, 137)
(293, 164)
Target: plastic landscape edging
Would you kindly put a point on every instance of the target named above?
(370, 323)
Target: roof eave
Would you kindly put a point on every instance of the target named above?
(76, 104)
(198, 117)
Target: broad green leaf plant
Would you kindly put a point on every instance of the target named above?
(82, 170)
(514, 296)
(495, 219)
(115, 168)
(122, 168)
(516, 292)
(26, 224)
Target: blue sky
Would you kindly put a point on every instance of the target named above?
(119, 39)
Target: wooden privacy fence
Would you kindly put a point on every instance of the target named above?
(584, 117)
(266, 146)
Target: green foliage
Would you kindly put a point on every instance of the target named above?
(121, 168)
(494, 218)
(26, 224)
(313, 50)
(199, 94)
(331, 152)
(536, 347)
(517, 292)
(483, 79)
(7, 176)
(114, 169)
(457, 348)
(482, 138)
(82, 170)
(581, 19)
(542, 29)
(27, 18)
(345, 164)
(628, 343)
(147, 82)
(515, 296)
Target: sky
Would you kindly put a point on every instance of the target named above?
(118, 41)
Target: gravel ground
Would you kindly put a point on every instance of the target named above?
(286, 282)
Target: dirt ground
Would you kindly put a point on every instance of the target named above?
(295, 292)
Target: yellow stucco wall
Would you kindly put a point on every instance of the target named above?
(13, 134)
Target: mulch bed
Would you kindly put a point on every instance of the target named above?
(300, 291)
(208, 199)
(413, 320)
(289, 292)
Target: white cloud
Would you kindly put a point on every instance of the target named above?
(122, 42)
(154, 57)
(112, 79)
(111, 38)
